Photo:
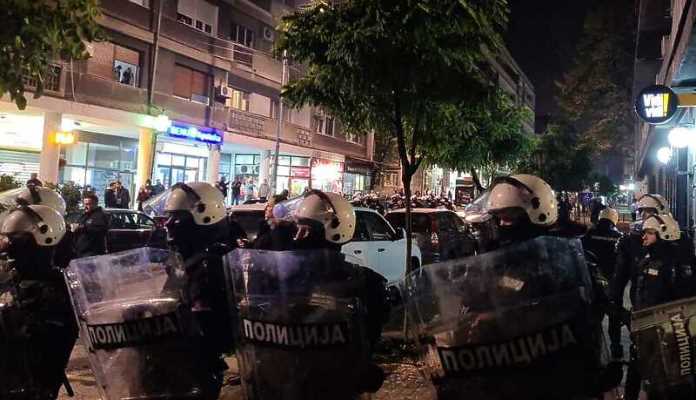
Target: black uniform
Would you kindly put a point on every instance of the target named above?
(90, 238)
(601, 240)
(39, 327)
(651, 273)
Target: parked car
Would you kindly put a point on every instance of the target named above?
(129, 229)
(376, 244)
(440, 234)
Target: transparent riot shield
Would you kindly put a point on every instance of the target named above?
(302, 328)
(514, 323)
(664, 337)
(141, 338)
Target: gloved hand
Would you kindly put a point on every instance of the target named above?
(617, 352)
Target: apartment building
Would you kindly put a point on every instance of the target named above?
(665, 50)
(207, 66)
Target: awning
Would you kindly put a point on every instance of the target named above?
(359, 166)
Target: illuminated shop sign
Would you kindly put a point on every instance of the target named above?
(205, 135)
(656, 104)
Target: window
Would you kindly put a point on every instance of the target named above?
(379, 231)
(354, 137)
(287, 111)
(191, 85)
(242, 35)
(199, 15)
(322, 124)
(143, 3)
(115, 62)
(390, 179)
(239, 100)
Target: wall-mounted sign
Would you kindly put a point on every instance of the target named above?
(656, 104)
(205, 135)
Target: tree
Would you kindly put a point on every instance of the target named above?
(35, 33)
(560, 159)
(596, 93)
(403, 68)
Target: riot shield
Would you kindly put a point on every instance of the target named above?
(36, 336)
(512, 323)
(664, 338)
(302, 328)
(141, 338)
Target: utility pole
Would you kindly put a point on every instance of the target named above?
(279, 128)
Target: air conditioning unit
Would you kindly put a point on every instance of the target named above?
(223, 91)
(268, 34)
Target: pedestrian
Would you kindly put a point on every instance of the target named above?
(275, 231)
(143, 195)
(34, 180)
(149, 187)
(449, 195)
(236, 191)
(222, 186)
(250, 189)
(158, 188)
(109, 197)
(285, 194)
(121, 196)
(264, 189)
(127, 76)
(91, 229)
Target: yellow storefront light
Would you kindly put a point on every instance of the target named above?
(63, 137)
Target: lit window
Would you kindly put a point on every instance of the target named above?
(239, 100)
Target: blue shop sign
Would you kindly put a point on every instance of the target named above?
(205, 135)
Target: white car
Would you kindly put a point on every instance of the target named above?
(376, 244)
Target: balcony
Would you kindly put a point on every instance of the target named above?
(93, 89)
(51, 80)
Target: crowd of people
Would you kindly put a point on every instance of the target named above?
(655, 256)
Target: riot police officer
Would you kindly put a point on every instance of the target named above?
(307, 285)
(651, 273)
(601, 240)
(38, 323)
(647, 205)
(197, 229)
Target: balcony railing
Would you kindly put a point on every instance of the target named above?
(51, 79)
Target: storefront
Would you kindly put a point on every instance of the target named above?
(95, 160)
(20, 145)
(293, 174)
(182, 154)
(357, 177)
(327, 175)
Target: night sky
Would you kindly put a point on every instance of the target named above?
(542, 37)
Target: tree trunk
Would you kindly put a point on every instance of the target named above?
(406, 180)
(477, 181)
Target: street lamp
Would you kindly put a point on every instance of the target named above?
(664, 155)
(680, 137)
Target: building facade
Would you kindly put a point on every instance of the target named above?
(207, 66)
(666, 55)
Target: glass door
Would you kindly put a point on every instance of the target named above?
(178, 175)
(164, 175)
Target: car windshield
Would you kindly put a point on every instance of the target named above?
(419, 222)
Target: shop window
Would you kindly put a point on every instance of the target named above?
(239, 100)
(104, 156)
(247, 165)
(283, 160)
(114, 62)
(191, 85)
(242, 35)
(199, 15)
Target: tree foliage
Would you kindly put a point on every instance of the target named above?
(595, 94)
(407, 69)
(35, 33)
(561, 159)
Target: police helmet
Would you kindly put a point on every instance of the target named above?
(332, 211)
(527, 192)
(42, 196)
(654, 201)
(609, 214)
(202, 200)
(665, 226)
(42, 222)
